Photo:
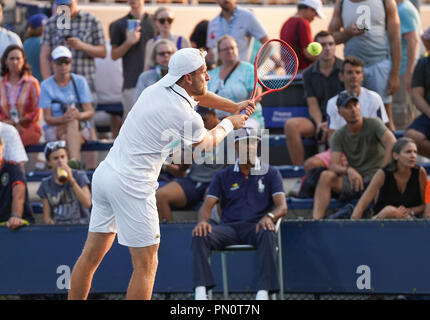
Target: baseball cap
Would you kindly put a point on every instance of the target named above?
(314, 4)
(37, 20)
(202, 111)
(426, 34)
(63, 2)
(344, 97)
(249, 131)
(61, 52)
(182, 62)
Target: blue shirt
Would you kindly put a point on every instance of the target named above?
(245, 198)
(32, 52)
(50, 90)
(409, 21)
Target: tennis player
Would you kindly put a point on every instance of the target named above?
(124, 184)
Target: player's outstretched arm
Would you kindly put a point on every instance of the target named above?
(212, 100)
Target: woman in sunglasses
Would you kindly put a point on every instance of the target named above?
(162, 50)
(19, 95)
(67, 105)
(163, 19)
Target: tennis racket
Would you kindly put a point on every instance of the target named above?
(275, 67)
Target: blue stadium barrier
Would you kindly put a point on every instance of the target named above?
(357, 257)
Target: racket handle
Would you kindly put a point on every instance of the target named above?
(243, 111)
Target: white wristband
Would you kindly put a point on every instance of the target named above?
(227, 125)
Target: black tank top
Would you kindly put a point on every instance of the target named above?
(390, 194)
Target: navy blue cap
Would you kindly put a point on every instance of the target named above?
(37, 20)
(63, 2)
(344, 97)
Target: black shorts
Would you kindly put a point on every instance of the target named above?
(194, 191)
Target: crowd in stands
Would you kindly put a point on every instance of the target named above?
(49, 93)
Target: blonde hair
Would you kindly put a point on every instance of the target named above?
(156, 13)
(218, 44)
(159, 42)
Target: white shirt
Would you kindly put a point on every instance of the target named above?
(13, 147)
(7, 38)
(371, 107)
(160, 118)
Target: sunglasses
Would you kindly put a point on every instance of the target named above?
(164, 20)
(54, 146)
(63, 61)
(163, 53)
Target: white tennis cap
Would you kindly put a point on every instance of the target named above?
(182, 62)
(61, 52)
(314, 4)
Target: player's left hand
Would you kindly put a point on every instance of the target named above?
(266, 223)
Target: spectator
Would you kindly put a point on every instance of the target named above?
(19, 95)
(13, 149)
(187, 191)
(371, 106)
(198, 40)
(251, 203)
(66, 102)
(65, 194)
(321, 82)
(368, 41)
(84, 37)
(232, 78)
(109, 88)
(33, 43)
(419, 130)
(162, 50)
(15, 210)
(296, 31)
(367, 145)
(163, 20)
(7, 37)
(239, 23)
(410, 25)
(130, 46)
(400, 186)
(425, 38)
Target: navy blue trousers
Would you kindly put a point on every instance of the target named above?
(237, 233)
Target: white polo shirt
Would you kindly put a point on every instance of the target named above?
(159, 118)
(13, 147)
(7, 38)
(371, 107)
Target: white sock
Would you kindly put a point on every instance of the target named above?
(200, 293)
(262, 295)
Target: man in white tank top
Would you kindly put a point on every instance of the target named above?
(124, 184)
(370, 30)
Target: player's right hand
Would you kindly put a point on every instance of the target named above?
(238, 120)
(202, 229)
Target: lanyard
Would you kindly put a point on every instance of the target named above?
(17, 96)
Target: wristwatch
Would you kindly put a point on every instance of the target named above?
(271, 215)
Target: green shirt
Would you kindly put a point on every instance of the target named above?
(364, 150)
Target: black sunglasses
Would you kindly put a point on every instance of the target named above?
(164, 20)
(63, 60)
(163, 53)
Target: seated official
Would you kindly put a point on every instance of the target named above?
(252, 199)
(15, 210)
(65, 194)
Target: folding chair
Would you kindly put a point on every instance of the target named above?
(248, 247)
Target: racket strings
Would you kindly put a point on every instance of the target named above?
(276, 65)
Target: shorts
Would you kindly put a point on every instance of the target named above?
(123, 207)
(347, 193)
(376, 78)
(194, 191)
(421, 124)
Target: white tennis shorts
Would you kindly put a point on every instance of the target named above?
(120, 208)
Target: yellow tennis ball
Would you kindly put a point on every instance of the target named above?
(314, 48)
